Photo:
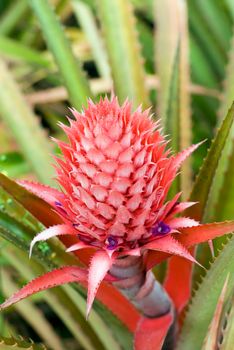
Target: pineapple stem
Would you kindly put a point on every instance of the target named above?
(144, 291)
(140, 287)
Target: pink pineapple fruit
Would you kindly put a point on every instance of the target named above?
(115, 174)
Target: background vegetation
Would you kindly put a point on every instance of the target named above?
(176, 56)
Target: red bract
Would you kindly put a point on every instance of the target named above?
(114, 175)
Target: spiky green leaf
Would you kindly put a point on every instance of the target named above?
(204, 302)
(25, 126)
(204, 180)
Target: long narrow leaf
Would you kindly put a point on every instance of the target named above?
(171, 56)
(212, 334)
(224, 208)
(118, 24)
(220, 202)
(73, 76)
(14, 49)
(87, 22)
(24, 124)
(19, 344)
(12, 15)
(205, 300)
(205, 177)
(206, 38)
(228, 332)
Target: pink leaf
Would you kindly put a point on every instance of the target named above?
(169, 206)
(52, 231)
(107, 293)
(176, 223)
(150, 333)
(181, 207)
(191, 236)
(170, 245)
(211, 246)
(51, 279)
(180, 157)
(100, 265)
(203, 233)
(48, 194)
(77, 246)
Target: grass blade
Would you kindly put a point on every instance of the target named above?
(13, 164)
(224, 209)
(87, 21)
(173, 65)
(23, 123)
(14, 49)
(12, 15)
(206, 38)
(203, 183)
(73, 76)
(118, 24)
(213, 13)
(219, 192)
(203, 304)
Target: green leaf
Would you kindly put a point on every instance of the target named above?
(172, 117)
(205, 37)
(204, 302)
(230, 7)
(73, 76)
(118, 25)
(14, 49)
(202, 72)
(120, 332)
(21, 236)
(220, 204)
(102, 329)
(212, 13)
(224, 209)
(19, 344)
(228, 329)
(203, 183)
(212, 334)
(173, 70)
(172, 126)
(39, 208)
(13, 14)
(13, 164)
(24, 124)
(87, 21)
